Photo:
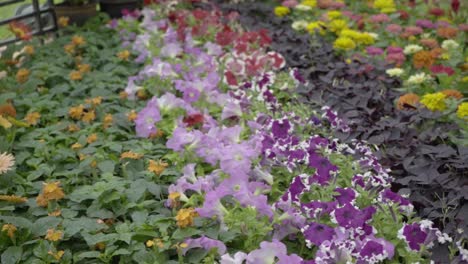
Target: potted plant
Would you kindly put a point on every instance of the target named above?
(116, 8)
(78, 11)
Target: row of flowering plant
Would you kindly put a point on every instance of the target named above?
(423, 42)
(263, 180)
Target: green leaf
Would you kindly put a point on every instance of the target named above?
(106, 166)
(89, 254)
(140, 217)
(17, 221)
(186, 232)
(41, 225)
(12, 255)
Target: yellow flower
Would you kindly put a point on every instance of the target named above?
(57, 212)
(10, 229)
(69, 48)
(462, 111)
(76, 146)
(89, 116)
(84, 68)
(465, 79)
(157, 167)
(349, 33)
(149, 243)
(54, 235)
(32, 118)
(174, 199)
(13, 199)
(6, 162)
(75, 75)
(344, 43)
(185, 217)
(312, 27)
(337, 25)
(333, 14)
(311, 3)
(29, 49)
(63, 21)
(78, 40)
(94, 101)
(4, 122)
(157, 241)
(281, 11)
(385, 6)
(52, 191)
(22, 75)
(73, 128)
(92, 138)
(434, 101)
(364, 38)
(130, 155)
(41, 201)
(132, 116)
(108, 119)
(57, 255)
(123, 55)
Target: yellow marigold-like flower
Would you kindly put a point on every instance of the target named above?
(57, 212)
(132, 116)
(13, 199)
(84, 68)
(69, 48)
(349, 33)
(29, 49)
(63, 21)
(89, 116)
(364, 38)
(452, 93)
(94, 101)
(157, 241)
(333, 14)
(407, 101)
(337, 25)
(281, 11)
(76, 146)
(32, 118)
(149, 243)
(52, 191)
(22, 75)
(75, 75)
(434, 101)
(6, 162)
(344, 43)
(108, 119)
(185, 217)
(465, 79)
(10, 229)
(54, 235)
(73, 127)
(123, 55)
(423, 58)
(130, 155)
(311, 3)
(92, 138)
(385, 6)
(4, 122)
(462, 111)
(313, 27)
(157, 167)
(78, 40)
(41, 201)
(57, 255)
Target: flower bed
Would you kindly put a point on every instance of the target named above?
(205, 156)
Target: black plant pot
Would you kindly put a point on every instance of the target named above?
(114, 8)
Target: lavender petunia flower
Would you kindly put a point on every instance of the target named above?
(132, 88)
(268, 253)
(147, 118)
(205, 243)
(236, 159)
(231, 109)
(316, 234)
(238, 258)
(181, 137)
(191, 95)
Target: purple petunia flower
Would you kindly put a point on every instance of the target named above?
(205, 243)
(375, 250)
(280, 128)
(346, 195)
(413, 235)
(316, 234)
(191, 95)
(181, 137)
(147, 118)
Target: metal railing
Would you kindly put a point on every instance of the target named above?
(37, 13)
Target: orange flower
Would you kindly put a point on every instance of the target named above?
(52, 191)
(423, 58)
(447, 32)
(22, 75)
(89, 116)
(142, 94)
(78, 40)
(57, 212)
(84, 68)
(94, 101)
(7, 110)
(75, 76)
(409, 100)
(108, 119)
(185, 217)
(32, 118)
(123, 55)
(76, 112)
(76, 146)
(10, 229)
(13, 199)
(158, 134)
(452, 93)
(21, 30)
(92, 138)
(132, 116)
(41, 201)
(435, 53)
(130, 155)
(63, 21)
(430, 43)
(157, 167)
(69, 48)
(73, 127)
(29, 49)
(57, 255)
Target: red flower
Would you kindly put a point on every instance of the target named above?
(455, 5)
(194, 119)
(403, 14)
(230, 78)
(20, 30)
(436, 11)
(440, 69)
(225, 37)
